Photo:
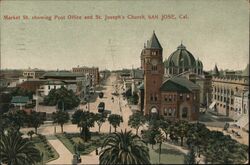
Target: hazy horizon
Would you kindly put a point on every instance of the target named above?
(216, 32)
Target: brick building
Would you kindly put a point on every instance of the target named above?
(93, 72)
(176, 97)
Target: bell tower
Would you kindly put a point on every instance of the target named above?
(153, 68)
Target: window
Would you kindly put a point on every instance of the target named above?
(49, 87)
(174, 97)
(169, 112)
(54, 87)
(194, 97)
(154, 68)
(170, 98)
(165, 112)
(181, 96)
(188, 97)
(166, 98)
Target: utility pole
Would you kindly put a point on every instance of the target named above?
(111, 50)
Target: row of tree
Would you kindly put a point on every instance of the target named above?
(18, 119)
(85, 120)
(214, 145)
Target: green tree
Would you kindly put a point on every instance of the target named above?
(60, 118)
(15, 150)
(115, 120)
(159, 139)
(36, 119)
(190, 157)
(5, 99)
(124, 148)
(22, 92)
(165, 124)
(17, 118)
(182, 129)
(100, 119)
(63, 98)
(153, 131)
(84, 120)
(30, 134)
(136, 120)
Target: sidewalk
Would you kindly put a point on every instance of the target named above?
(65, 156)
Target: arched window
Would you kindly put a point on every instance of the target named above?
(165, 111)
(169, 112)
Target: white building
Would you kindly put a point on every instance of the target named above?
(241, 106)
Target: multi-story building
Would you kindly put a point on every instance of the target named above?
(93, 72)
(226, 89)
(33, 73)
(176, 97)
(69, 80)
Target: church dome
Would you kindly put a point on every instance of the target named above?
(182, 58)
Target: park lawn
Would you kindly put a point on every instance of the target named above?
(40, 145)
(169, 155)
(66, 142)
(72, 140)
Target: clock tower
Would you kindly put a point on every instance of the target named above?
(153, 68)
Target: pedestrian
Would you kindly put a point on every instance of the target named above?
(96, 151)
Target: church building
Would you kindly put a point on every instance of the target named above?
(172, 97)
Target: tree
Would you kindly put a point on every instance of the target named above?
(165, 124)
(159, 139)
(115, 120)
(136, 120)
(182, 129)
(5, 99)
(30, 134)
(63, 98)
(190, 157)
(60, 118)
(17, 118)
(124, 148)
(36, 119)
(100, 119)
(17, 151)
(22, 92)
(150, 134)
(85, 120)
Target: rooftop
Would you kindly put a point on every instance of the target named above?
(19, 99)
(61, 74)
(179, 84)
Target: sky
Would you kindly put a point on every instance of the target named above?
(215, 31)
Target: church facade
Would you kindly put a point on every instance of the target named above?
(174, 97)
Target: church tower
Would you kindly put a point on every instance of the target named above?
(153, 68)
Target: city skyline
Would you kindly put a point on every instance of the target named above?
(215, 32)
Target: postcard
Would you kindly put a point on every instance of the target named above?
(124, 82)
